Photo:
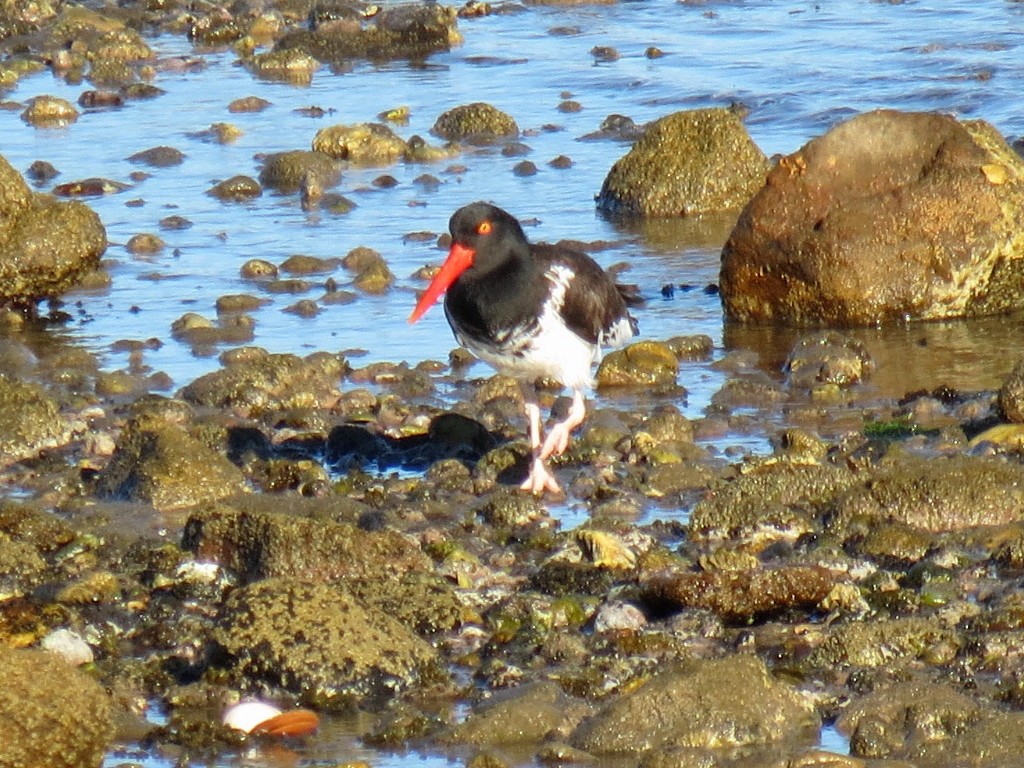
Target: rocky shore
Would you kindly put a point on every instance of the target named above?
(349, 539)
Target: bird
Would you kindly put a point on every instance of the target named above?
(530, 310)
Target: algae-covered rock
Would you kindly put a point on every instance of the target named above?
(254, 380)
(52, 714)
(285, 172)
(371, 271)
(405, 31)
(938, 494)
(258, 543)
(881, 643)
(686, 164)
(741, 595)
(361, 144)
(45, 246)
(525, 716)
(722, 703)
(649, 364)
(779, 500)
(21, 567)
(476, 120)
(159, 463)
(887, 217)
(29, 420)
(318, 641)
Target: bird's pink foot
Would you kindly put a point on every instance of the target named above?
(540, 479)
(557, 440)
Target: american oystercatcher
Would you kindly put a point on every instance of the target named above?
(529, 310)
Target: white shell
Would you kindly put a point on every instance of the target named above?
(69, 646)
(246, 715)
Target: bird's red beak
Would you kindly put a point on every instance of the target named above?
(460, 258)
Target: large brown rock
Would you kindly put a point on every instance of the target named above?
(886, 217)
(688, 163)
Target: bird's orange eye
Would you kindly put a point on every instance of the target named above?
(484, 228)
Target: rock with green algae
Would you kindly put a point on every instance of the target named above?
(320, 642)
(476, 120)
(30, 420)
(45, 246)
(1011, 395)
(254, 380)
(406, 31)
(21, 567)
(52, 714)
(774, 500)
(686, 164)
(721, 703)
(937, 494)
(525, 715)
(318, 539)
(360, 144)
(159, 463)
(650, 364)
(886, 642)
(924, 720)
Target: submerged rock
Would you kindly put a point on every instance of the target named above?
(53, 714)
(686, 164)
(887, 217)
(45, 246)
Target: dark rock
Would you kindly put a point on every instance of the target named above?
(158, 157)
(829, 358)
(686, 164)
(887, 217)
(741, 595)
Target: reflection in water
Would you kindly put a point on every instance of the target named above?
(966, 355)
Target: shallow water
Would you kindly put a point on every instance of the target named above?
(798, 67)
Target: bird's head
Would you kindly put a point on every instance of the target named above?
(483, 236)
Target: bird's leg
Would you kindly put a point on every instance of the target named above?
(558, 438)
(539, 479)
